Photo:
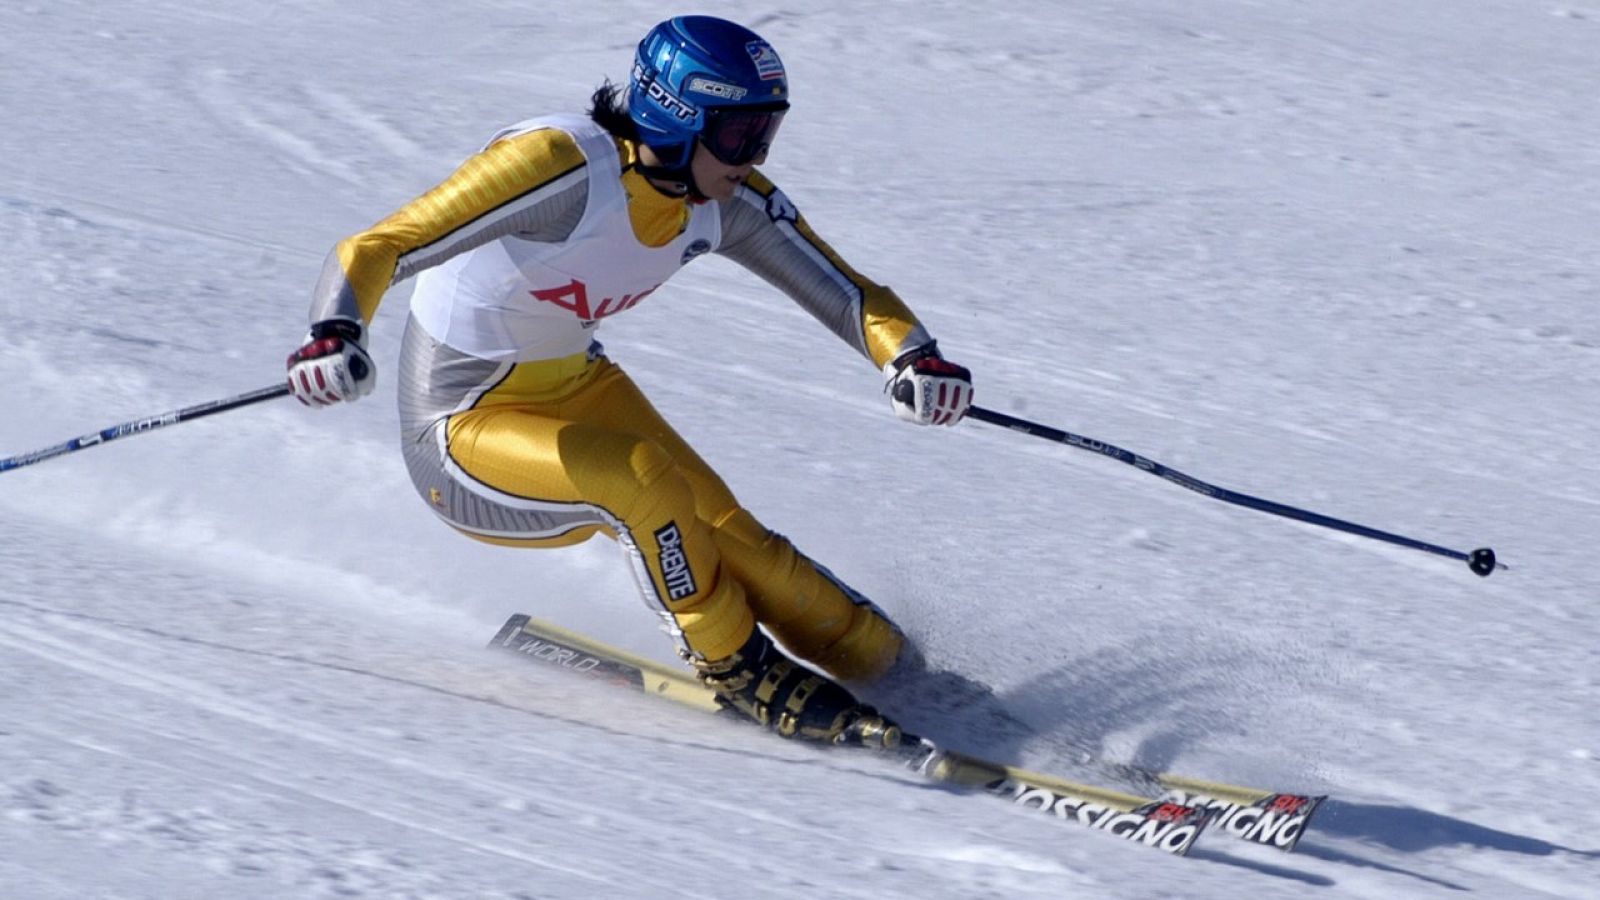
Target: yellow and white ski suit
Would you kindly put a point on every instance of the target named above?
(518, 430)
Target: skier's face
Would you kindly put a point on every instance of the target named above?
(715, 178)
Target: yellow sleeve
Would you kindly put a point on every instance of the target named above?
(511, 185)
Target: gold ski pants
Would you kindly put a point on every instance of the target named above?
(576, 436)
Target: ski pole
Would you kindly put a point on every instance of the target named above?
(139, 426)
(1481, 561)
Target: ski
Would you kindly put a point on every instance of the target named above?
(1271, 819)
(1258, 816)
(1170, 826)
(1170, 822)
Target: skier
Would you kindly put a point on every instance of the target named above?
(518, 430)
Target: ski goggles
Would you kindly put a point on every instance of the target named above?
(739, 135)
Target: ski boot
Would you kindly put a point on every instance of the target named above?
(761, 682)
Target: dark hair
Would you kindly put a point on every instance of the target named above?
(609, 109)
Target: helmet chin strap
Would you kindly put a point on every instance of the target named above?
(674, 181)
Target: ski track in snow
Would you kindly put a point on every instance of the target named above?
(1340, 257)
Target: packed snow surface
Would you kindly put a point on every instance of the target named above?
(1338, 255)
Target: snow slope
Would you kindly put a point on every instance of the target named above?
(1337, 255)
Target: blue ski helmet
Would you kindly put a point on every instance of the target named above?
(700, 77)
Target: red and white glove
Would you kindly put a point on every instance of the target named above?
(332, 365)
(927, 389)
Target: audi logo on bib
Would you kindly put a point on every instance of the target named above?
(575, 296)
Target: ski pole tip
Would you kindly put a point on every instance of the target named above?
(1482, 562)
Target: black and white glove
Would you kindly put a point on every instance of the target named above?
(927, 389)
(332, 365)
